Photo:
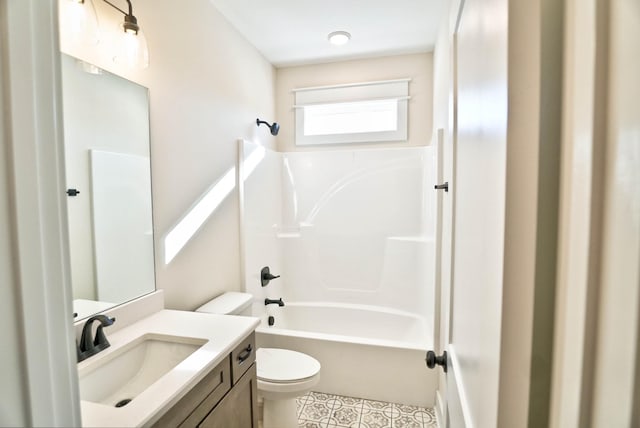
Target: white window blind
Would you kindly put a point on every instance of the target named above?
(353, 113)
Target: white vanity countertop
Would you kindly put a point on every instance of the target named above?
(222, 332)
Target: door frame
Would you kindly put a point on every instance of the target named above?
(35, 253)
(596, 376)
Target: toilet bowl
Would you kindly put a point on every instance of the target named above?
(283, 375)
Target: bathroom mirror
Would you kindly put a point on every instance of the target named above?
(108, 186)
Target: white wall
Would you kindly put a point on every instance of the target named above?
(207, 85)
(418, 67)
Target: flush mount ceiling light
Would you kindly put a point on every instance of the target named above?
(339, 38)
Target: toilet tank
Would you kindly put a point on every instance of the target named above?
(229, 303)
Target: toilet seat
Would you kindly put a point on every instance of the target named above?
(282, 366)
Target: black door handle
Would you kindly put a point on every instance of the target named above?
(444, 186)
(433, 360)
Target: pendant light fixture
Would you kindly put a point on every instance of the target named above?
(80, 23)
(131, 44)
(79, 19)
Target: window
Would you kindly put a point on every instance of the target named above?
(353, 113)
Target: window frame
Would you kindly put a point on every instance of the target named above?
(397, 89)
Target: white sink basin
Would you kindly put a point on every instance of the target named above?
(119, 377)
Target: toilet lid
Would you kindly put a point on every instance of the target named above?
(284, 365)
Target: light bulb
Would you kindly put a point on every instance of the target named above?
(131, 48)
(78, 23)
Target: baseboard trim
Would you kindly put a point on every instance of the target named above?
(439, 411)
(462, 395)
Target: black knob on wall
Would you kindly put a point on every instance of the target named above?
(433, 360)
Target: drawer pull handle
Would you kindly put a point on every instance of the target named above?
(245, 354)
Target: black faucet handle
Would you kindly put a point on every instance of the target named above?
(266, 276)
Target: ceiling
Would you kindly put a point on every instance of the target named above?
(294, 32)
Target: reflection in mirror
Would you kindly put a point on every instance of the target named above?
(106, 131)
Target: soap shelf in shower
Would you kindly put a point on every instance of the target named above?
(287, 235)
(289, 232)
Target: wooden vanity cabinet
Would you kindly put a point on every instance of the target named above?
(227, 397)
(238, 409)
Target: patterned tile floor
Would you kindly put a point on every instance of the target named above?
(319, 410)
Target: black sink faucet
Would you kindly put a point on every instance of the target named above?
(278, 302)
(90, 346)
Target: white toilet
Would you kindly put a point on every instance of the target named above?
(283, 374)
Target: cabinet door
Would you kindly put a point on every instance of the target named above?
(239, 409)
(203, 397)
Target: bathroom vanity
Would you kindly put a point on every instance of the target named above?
(225, 398)
(173, 368)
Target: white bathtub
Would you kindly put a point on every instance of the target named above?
(365, 351)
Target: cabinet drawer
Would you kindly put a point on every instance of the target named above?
(242, 357)
(198, 402)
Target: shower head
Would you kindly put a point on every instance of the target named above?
(273, 128)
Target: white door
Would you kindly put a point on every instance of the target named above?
(475, 159)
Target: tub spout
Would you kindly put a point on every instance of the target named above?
(279, 302)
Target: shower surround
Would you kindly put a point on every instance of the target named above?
(351, 234)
